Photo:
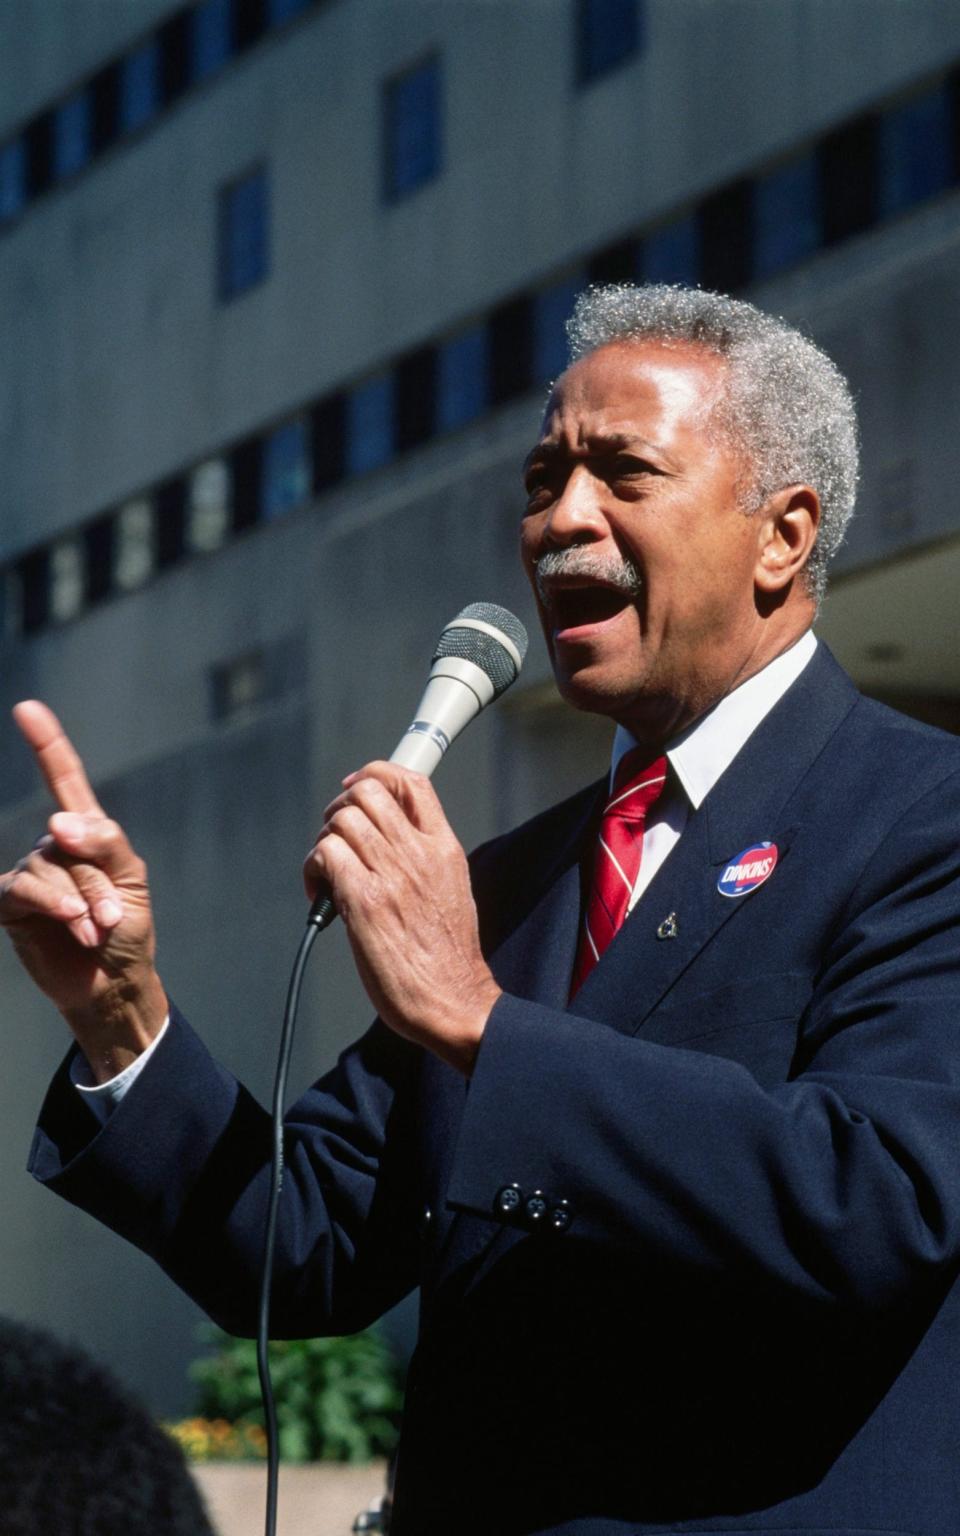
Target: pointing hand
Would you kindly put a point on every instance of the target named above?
(78, 911)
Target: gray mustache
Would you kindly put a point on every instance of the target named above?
(613, 571)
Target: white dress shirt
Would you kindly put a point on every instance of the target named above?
(698, 757)
(702, 752)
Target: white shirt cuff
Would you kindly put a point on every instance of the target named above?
(104, 1097)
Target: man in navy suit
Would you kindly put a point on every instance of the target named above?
(687, 1241)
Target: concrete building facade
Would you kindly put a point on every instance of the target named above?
(281, 286)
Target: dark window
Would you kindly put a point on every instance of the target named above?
(10, 606)
(34, 573)
(848, 179)
(243, 255)
(246, 462)
(250, 20)
(608, 32)
(370, 424)
(282, 10)
(726, 237)
(139, 86)
(786, 216)
(953, 89)
(13, 179)
(171, 504)
(415, 389)
(511, 350)
(286, 469)
(671, 254)
(105, 90)
(551, 310)
(463, 374)
(39, 154)
(412, 149)
(98, 537)
(328, 433)
(174, 43)
(620, 263)
(211, 37)
(916, 151)
(72, 135)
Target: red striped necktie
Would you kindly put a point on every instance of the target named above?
(637, 785)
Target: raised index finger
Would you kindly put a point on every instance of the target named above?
(62, 769)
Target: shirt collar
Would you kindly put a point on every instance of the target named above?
(701, 753)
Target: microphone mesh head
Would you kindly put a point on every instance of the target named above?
(486, 651)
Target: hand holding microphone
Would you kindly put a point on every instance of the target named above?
(389, 859)
(478, 656)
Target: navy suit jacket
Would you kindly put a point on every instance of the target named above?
(719, 1293)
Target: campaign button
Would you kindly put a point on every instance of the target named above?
(748, 870)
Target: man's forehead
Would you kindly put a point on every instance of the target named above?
(619, 390)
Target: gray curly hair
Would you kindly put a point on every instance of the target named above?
(786, 404)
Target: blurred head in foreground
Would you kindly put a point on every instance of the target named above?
(79, 1456)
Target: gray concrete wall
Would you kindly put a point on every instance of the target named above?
(119, 364)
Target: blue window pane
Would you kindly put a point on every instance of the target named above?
(8, 603)
(286, 470)
(551, 310)
(13, 179)
(462, 379)
(244, 254)
(211, 37)
(786, 214)
(282, 10)
(412, 135)
(608, 31)
(71, 135)
(370, 425)
(139, 87)
(672, 254)
(916, 151)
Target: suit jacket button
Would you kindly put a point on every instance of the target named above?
(508, 1199)
(426, 1220)
(561, 1216)
(536, 1208)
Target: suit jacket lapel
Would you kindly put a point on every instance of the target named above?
(536, 957)
(749, 803)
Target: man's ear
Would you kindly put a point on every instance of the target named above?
(787, 532)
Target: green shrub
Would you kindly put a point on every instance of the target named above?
(337, 1399)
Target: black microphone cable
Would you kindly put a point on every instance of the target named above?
(270, 1234)
(478, 656)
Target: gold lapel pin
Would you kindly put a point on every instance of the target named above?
(669, 928)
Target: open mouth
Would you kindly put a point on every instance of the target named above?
(581, 607)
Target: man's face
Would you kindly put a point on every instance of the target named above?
(628, 473)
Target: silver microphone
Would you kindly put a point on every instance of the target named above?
(479, 654)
